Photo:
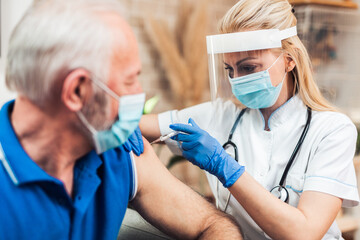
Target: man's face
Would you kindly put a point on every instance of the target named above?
(124, 72)
(125, 66)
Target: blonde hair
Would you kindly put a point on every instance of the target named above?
(277, 14)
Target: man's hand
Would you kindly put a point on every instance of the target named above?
(173, 207)
(206, 152)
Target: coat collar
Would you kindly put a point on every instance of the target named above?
(293, 108)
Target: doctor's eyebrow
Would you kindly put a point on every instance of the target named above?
(241, 61)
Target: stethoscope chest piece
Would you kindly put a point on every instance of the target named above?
(281, 193)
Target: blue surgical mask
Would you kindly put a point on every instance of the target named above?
(129, 115)
(256, 90)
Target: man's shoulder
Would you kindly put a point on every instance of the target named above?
(120, 171)
(117, 154)
(118, 162)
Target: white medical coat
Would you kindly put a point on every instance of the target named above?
(324, 162)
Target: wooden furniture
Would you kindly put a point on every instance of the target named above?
(334, 3)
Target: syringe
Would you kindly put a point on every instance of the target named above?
(164, 137)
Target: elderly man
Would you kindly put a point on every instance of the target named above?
(67, 169)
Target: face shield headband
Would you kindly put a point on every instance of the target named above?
(248, 41)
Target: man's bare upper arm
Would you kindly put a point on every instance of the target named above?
(166, 202)
(149, 126)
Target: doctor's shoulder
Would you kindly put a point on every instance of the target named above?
(333, 123)
(207, 113)
(227, 109)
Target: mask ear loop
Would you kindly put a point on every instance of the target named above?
(274, 62)
(90, 128)
(86, 122)
(282, 81)
(108, 91)
(104, 87)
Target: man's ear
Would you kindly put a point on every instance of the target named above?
(76, 89)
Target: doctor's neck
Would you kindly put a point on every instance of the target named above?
(286, 93)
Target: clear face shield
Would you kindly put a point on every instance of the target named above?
(240, 65)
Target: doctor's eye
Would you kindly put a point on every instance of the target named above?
(247, 69)
(230, 71)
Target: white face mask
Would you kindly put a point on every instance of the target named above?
(129, 114)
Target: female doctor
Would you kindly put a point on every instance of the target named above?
(282, 154)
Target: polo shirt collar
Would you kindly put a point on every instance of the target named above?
(17, 163)
(20, 167)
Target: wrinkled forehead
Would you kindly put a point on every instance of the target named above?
(126, 59)
(123, 37)
(125, 54)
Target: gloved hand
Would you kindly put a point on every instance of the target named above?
(135, 143)
(206, 152)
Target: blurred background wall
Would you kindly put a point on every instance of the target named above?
(11, 13)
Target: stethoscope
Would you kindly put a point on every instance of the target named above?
(280, 190)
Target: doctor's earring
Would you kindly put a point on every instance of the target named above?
(289, 68)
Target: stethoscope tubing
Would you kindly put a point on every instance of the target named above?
(287, 168)
(296, 150)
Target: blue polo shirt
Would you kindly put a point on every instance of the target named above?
(35, 205)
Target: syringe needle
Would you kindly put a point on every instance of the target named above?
(165, 137)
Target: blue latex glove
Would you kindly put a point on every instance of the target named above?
(135, 143)
(206, 152)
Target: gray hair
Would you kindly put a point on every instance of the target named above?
(54, 38)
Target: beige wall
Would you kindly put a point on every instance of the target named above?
(153, 77)
(11, 13)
